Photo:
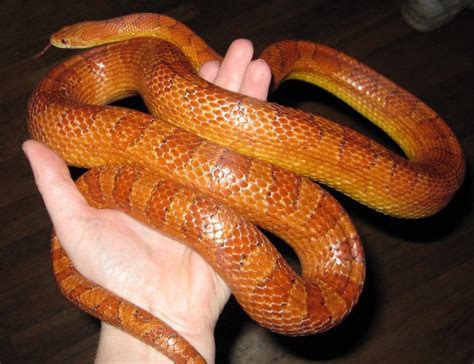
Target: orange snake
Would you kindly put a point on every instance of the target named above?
(181, 179)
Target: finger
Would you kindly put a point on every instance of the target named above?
(60, 195)
(209, 70)
(256, 80)
(234, 65)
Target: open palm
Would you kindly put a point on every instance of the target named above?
(139, 264)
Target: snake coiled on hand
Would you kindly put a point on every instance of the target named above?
(209, 162)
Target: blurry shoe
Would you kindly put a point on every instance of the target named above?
(426, 15)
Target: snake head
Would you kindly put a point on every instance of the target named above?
(69, 37)
(82, 35)
(89, 34)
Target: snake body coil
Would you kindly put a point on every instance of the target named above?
(220, 153)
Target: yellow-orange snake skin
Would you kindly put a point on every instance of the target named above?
(223, 161)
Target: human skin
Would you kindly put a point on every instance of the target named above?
(139, 264)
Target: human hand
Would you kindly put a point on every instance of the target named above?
(148, 269)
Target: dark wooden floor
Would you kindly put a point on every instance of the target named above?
(418, 302)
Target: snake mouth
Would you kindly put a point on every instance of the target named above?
(65, 43)
(60, 42)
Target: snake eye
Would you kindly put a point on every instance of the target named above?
(63, 41)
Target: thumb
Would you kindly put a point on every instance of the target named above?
(61, 197)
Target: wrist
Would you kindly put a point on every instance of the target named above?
(117, 346)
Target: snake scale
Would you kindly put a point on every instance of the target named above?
(223, 161)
